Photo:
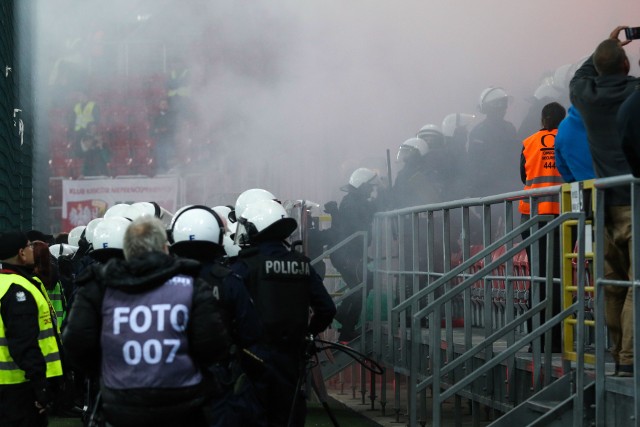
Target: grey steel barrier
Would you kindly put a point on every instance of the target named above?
(600, 281)
(412, 284)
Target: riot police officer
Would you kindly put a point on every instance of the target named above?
(197, 232)
(284, 287)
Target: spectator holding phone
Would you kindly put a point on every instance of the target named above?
(629, 128)
(598, 88)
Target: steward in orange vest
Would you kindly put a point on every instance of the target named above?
(538, 161)
(537, 170)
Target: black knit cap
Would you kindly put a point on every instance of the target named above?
(39, 235)
(11, 242)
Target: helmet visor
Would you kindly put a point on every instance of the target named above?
(406, 152)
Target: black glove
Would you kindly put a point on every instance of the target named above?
(43, 395)
(331, 207)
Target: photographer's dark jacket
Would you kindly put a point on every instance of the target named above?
(146, 325)
(598, 99)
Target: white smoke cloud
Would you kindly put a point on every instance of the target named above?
(293, 95)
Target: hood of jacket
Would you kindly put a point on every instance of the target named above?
(139, 274)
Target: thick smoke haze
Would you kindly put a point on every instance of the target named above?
(292, 96)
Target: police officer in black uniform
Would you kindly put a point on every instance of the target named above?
(197, 232)
(356, 212)
(147, 324)
(284, 287)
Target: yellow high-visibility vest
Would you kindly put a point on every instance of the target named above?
(84, 116)
(10, 373)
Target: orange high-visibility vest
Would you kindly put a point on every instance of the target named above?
(540, 167)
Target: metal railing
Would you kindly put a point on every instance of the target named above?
(417, 235)
(452, 302)
(601, 281)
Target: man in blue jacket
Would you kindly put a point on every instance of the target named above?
(573, 158)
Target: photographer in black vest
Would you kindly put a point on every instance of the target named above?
(284, 288)
(148, 325)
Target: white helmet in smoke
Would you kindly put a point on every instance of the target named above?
(547, 91)
(223, 213)
(118, 210)
(562, 76)
(429, 129)
(411, 147)
(109, 234)
(432, 135)
(493, 98)
(75, 235)
(246, 198)
(62, 249)
(362, 176)
(88, 232)
(455, 120)
(139, 209)
(230, 247)
(196, 223)
(264, 219)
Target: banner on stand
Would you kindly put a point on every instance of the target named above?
(84, 200)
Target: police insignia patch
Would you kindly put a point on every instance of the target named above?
(20, 296)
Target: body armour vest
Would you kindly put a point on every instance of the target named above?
(280, 288)
(144, 337)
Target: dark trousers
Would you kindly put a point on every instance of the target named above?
(17, 407)
(556, 331)
(350, 309)
(279, 388)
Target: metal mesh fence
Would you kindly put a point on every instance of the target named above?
(15, 128)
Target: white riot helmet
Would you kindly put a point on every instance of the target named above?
(223, 212)
(230, 247)
(88, 232)
(431, 134)
(118, 210)
(455, 120)
(362, 176)
(246, 198)
(75, 235)
(109, 234)
(138, 209)
(264, 220)
(562, 76)
(493, 99)
(547, 90)
(411, 148)
(62, 249)
(153, 209)
(196, 223)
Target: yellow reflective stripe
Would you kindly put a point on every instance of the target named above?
(10, 373)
